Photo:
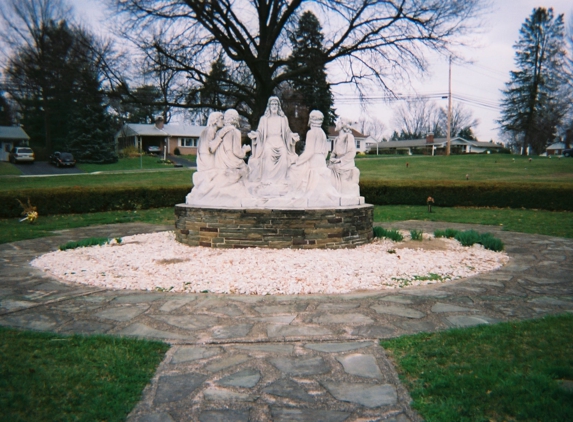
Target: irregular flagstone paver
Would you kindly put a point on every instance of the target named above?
(232, 331)
(285, 387)
(361, 365)
(224, 416)
(342, 319)
(369, 395)
(156, 417)
(300, 365)
(269, 348)
(172, 305)
(447, 307)
(142, 330)
(122, 314)
(536, 282)
(218, 394)
(374, 331)
(469, 321)
(296, 331)
(226, 362)
(191, 353)
(551, 301)
(281, 414)
(247, 379)
(188, 322)
(398, 311)
(172, 388)
(338, 347)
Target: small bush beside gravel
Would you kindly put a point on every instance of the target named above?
(92, 241)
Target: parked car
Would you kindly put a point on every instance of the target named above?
(21, 154)
(568, 152)
(62, 159)
(153, 149)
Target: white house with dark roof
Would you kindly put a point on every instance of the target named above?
(431, 146)
(182, 136)
(363, 142)
(11, 136)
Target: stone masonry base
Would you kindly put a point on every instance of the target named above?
(267, 228)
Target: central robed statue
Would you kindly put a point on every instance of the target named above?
(275, 177)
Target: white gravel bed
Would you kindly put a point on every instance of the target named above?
(158, 262)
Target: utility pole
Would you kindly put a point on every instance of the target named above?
(449, 128)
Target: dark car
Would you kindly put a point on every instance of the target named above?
(153, 149)
(62, 159)
(568, 152)
(21, 155)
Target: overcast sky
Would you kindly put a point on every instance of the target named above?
(477, 84)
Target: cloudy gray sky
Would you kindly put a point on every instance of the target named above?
(476, 83)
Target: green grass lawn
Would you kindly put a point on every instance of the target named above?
(550, 223)
(161, 177)
(490, 168)
(504, 372)
(48, 377)
(7, 169)
(146, 162)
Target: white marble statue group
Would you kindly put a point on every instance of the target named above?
(275, 176)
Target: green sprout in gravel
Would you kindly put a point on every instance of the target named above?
(92, 241)
(393, 234)
(417, 235)
(471, 237)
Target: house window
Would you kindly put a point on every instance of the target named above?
(358, 144)
(188, 142)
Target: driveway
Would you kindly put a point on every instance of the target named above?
(43, 168)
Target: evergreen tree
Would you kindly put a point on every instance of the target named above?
(307, 64)
(6, 118)
(55, 82)
(532, 107)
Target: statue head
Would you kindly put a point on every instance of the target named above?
(343, 125)
(215, 119)
(274, 107)
(315, 118)
(232, 117)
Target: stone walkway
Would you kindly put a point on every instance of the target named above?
(282, 358)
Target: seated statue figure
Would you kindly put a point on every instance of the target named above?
(345, 175)
(273, 148)
(309, 176)
(226, 187)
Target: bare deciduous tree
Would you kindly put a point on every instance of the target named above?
(365, 41)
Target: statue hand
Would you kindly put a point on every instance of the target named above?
(295, 137)
(246, 148)
(253, 135)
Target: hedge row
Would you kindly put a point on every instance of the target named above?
(78, 200)
(554, 197)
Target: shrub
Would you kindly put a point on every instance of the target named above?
(547, 196)
(129, 152)
(176, 151)
(393, 234)
(79, 200)
(417, 234)
(92, 241)
(449, 233)
(468, 237)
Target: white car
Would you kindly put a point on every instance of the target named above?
(22, 155)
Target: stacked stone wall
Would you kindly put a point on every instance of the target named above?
(268, 228)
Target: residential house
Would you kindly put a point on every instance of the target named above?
(11, 136)
(436, 146)
(363, 142)
(169, 136)
(556, 148)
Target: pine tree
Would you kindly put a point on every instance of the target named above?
(307, 62)
(55, 82)
(532, 107)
